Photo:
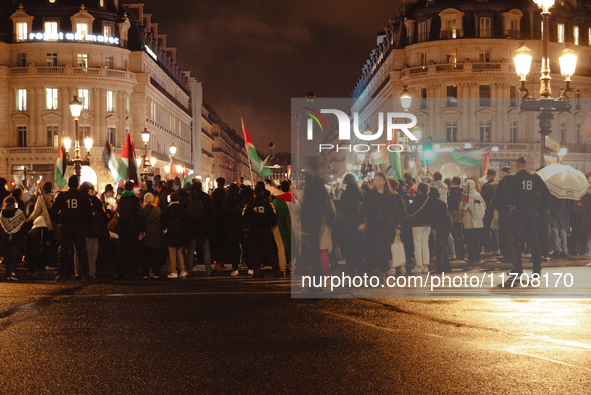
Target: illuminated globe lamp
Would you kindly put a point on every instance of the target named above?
(77, 162)
(405, 99)
(562, 153)
(144, 161)
(568, 65)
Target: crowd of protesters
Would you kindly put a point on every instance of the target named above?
(173, 230)
(164, 229)
(439, 220)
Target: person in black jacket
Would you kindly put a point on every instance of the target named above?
(258, 220)
(454, 198)
(353, 214)
(175, 224)
(3, 191)
(421, 219)
(201, 214)
(234, 224)
(382, 224)
(130, 223)
(442, 225)
(220, 229)
(487, 191)
(72, 209)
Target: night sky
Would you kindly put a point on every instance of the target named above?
(253, 56)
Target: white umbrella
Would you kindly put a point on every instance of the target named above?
(564, 182)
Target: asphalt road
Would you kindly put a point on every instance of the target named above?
(242, 336)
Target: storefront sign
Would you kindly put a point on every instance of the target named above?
(73, 37)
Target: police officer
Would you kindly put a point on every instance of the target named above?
(525, 192)
(73, 210)
(258, 219)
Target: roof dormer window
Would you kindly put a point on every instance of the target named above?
(451, 23)
(21, 24)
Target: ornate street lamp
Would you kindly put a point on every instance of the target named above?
(545, 105)
(77, 162)
(172, 150)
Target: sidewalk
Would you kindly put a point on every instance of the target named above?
(492, 263)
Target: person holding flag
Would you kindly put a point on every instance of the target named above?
(254, 160)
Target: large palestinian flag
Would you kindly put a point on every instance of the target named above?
(61, 169)
(472, 157)
(257, 166)
(110, 160)
(186, 177)
(127, 167)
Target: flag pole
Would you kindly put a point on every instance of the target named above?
(247, 158)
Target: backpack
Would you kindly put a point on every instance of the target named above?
(196, 212)
(478, 213)
(173, 227)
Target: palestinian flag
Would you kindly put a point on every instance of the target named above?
(185, 175)
(486, 167)
(465, 195)
(472, 157)
(257, 166)
(173, 172)
(127, 167)
(110, 160)
(61, 169)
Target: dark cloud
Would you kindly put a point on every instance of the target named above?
(253, 57)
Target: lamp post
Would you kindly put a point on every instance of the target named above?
(562, 153)
(145, 161)
(310, 96)
(172, 153)
(405, 99)
(77, 162)
(545, 105)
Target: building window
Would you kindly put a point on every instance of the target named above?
(22, 30)
(562, 132)
(485, 55)
(425, 128)
(450, 28)
(561, 32)
(81, 30)
(125, 64)
(513, 96)
(451, 56)
(51, 30)
(108, 31)
(21, 100)
(109, 62)
(153, 110)
(484, 95)
(21, 136)
(576, 35)
(110, 101)
(423, 98)
(423, 58)
(111, 135)
(422, 31)
(589, 34)
(51, 59)
(485, 131)
(21, 60)
(513, 131)
(82, 60)
(84, 131)
(84, 97)
(452, 95)
(128, 104)
(452, 131)
(578, 133)
(485, 27)
(51, 99)
(577, 100)
(52, 136)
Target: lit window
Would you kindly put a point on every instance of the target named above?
(51, 98)
(82, 60)
(561, 32)
(110, 101)
(422, 31)
(82, 30)
(485, 55)
(109, 62)
(21, 31)
(450, 28)
(21, 100)
(108, 31)
(589, 34)
(51, 30)
(452, 131)
(576, 35)
(84, 97)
